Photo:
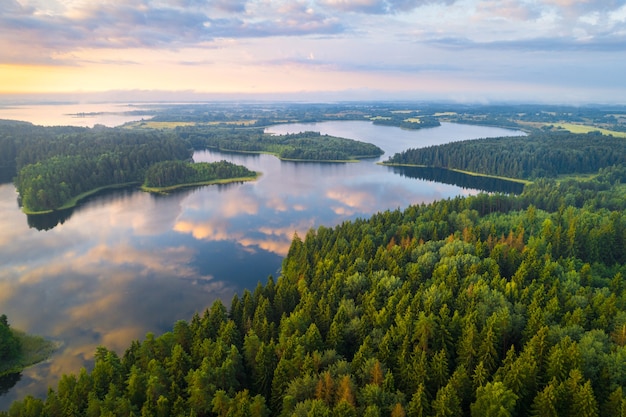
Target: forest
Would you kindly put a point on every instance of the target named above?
(489, 305)
(168, 174)
(539, 155)
(10, 345)
(53, 167)
(406, 120)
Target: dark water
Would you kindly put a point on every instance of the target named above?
(125, 262)
(446, 176)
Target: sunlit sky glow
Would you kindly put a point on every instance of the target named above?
(569, 51)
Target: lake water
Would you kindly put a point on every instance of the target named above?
(125, 262)
(73, 114)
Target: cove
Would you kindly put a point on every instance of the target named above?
(123, 262)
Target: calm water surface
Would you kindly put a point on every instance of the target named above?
(74, 114)
(125, 263)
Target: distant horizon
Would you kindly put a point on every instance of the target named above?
(186, 97)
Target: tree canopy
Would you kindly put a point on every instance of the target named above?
(539, 155)
(486, 305)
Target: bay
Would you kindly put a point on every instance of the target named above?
(124, 263)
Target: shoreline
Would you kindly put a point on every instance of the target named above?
(164, 190)
(471, 173)
(330, 161)
(73, 202)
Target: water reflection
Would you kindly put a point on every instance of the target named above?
(8, 381)
(76, 114)
(112, 273)
(50, 220)
(492, 185)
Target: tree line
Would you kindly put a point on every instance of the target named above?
(477, 306)
(171, 173)
(539, 155)
(301, 146)
(10, 345)
(58, 164)
(53, 165)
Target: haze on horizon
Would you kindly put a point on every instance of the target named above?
(559, 51)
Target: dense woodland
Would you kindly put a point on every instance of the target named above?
(493, 305)
(311, 146)
(51, 166)
(539, 155)
(172, 173)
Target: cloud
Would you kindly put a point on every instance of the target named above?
(600, 43)
(51, 31)
(262, 46)
(140, 24)
(380, 6)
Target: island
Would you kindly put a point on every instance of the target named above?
(406, 120)
(301, 146)
(170, 175)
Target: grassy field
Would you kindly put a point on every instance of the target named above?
(576, 128)
(157, 125)
(147, 124)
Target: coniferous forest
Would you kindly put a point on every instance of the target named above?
(478, 306)
(310, 146)
(52, 166)
(541, 154)
(488, 305)
(172, 173)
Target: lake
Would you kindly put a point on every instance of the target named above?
(125, 262)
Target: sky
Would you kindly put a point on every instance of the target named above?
(558, 51)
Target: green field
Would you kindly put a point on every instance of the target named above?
(576, 128)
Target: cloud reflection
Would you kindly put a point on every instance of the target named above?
(99, 294)
(208, 230)
(275, 240)
(354, 199)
